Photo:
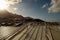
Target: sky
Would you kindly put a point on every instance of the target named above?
(48, 10)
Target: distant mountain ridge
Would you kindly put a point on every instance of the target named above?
(6, 16)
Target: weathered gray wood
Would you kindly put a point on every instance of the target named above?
(32, 32)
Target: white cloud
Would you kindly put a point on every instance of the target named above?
(45, 5)
(13, 1)
(15, 8)
(55, 6)
(11, 4)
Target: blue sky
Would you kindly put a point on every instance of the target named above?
(37, 9)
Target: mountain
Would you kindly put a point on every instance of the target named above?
(6, 14)
(9, 17)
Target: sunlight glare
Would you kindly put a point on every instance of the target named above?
(3, 4)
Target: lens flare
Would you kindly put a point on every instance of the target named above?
(3, 4)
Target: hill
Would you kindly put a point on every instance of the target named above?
(8, 17)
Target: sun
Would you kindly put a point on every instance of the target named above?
(3, 4)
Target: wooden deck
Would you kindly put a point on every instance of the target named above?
(33, 32)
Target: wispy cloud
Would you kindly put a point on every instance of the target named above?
(12, 2)
(55, 6)
(45, 5)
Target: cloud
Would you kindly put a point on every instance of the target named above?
(55, 6)
(45, 5)
(11, 2)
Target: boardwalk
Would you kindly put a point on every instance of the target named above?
(30, 31)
